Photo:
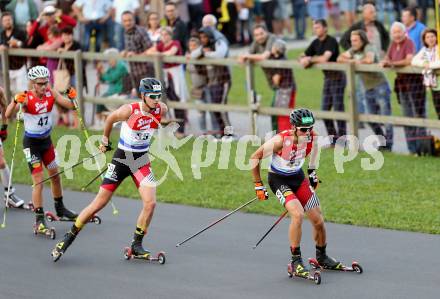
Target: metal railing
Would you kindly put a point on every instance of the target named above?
(254, 108)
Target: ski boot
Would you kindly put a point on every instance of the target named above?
(62, 246)
(41, 228)
(63, 213)
(323, 261)
(12, 200)
(298, 269)
(136, 251)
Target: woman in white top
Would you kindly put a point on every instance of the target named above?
(428, 59)
(153, 27)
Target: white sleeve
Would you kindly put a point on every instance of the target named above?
(221, 49)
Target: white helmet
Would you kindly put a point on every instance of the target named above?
(38, 71)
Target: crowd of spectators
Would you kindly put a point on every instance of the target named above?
(200, 28)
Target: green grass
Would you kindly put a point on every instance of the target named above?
(401, 195)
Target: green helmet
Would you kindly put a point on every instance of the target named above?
(302, 118)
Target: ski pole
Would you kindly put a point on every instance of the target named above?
(17, 128)
(270, 229)
(71, 167)
(94, 179)
(86, 134)
(217, 221)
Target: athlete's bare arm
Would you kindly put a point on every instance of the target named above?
(163, 109)
(13, 108)
(122, 114)
(271, 146)
(314, 154)
(3, 106)
(62, 101)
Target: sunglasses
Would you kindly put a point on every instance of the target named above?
(42, 83)
(305, 130)
(155, 96)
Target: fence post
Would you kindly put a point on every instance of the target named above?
(5, 73)
(79, 81)
(352, 102)
(251, 96)
(158, 73)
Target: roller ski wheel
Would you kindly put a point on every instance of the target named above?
(315, 277)
(355, 267)
(160, 257)
(48, 231)
(51, 217)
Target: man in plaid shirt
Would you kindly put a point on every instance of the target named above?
(136, 42)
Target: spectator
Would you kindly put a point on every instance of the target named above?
(119, 6)
(377, 34)
(196, 13)
(69, 44)
(12, 37)
(317, 9)
(49, 17)
(136, 42)
(23, 11)
(199, 79)
(34, 39)
(113, 76)
(283, 83)
(324, 49)
(94, 15)
(66, 7)
(348, 8)
(210, 20)
(377, 89)
(385, 7)
(244, 22)
(268, 9)
(153, 27)
(219, 77)
(414, 28)
(299, 9)
(282, 18)
(261, 47)
(52, 44)
(408, 87)
(175, 75)
(178, 26)
(229, 27)
(428, 59)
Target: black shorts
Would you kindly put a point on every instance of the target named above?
(291, 187)
(124, 164)
(38, 151)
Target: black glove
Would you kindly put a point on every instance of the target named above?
(105, 147)
(313, 178)
(4, 132)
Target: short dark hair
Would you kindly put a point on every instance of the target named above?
(67, 30)
(7, 13)
(257, 26)
(321, 21)
(127, 12)
(169, 3)
(412, 11)
(425, 32)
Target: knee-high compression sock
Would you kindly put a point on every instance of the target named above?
(321, 250)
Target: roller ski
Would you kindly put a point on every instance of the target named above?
(296, 268)
(323, 261)
(40, 228)
(136, 251)
(13, 201)
(336, 266)
(51, 217)
(62, 246)
(129, 254)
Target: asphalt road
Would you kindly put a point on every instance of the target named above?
(220, 263)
